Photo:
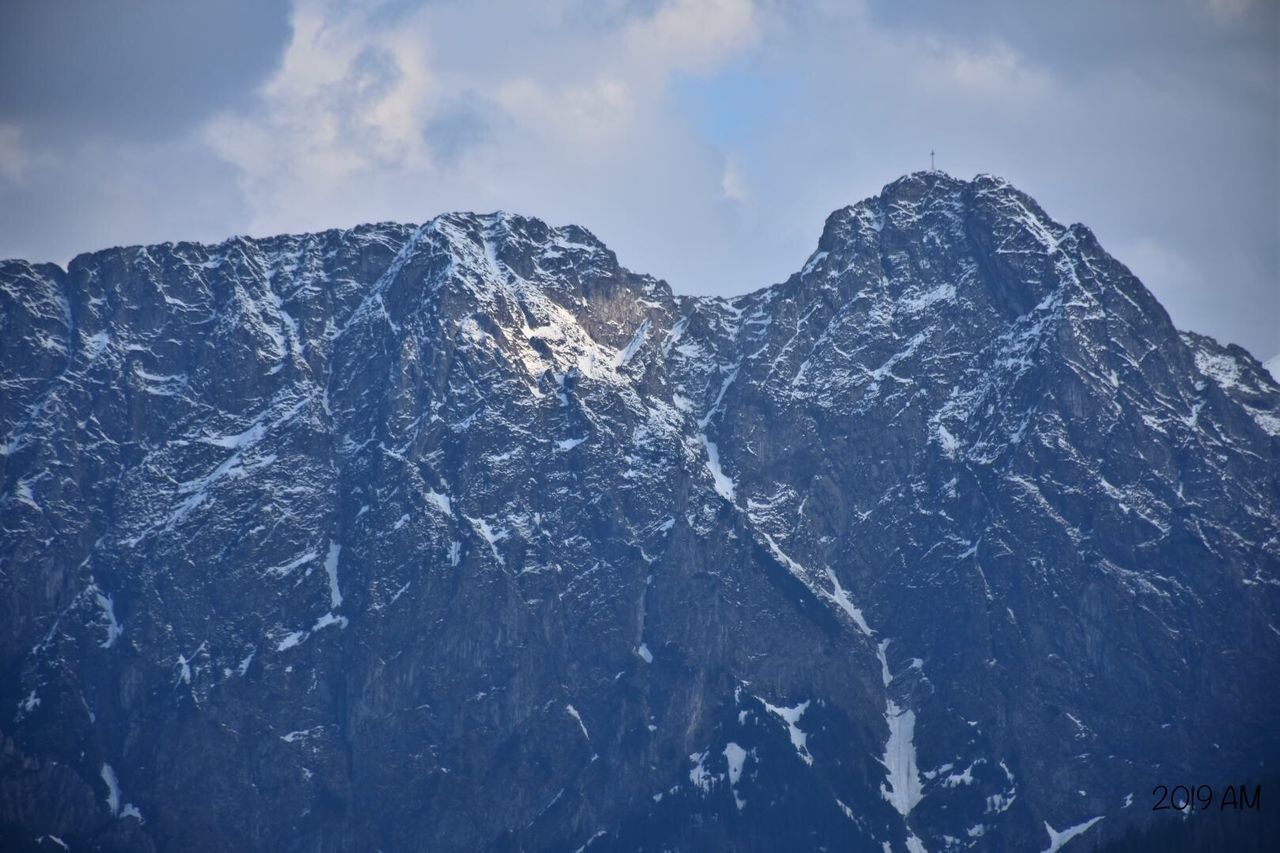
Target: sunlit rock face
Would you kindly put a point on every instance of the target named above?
(462, 537)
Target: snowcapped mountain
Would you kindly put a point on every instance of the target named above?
(461, 536)
(1273, 367)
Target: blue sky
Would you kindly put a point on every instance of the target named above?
(704, 140)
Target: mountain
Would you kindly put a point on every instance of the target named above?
(1273, 367)
(461, 536)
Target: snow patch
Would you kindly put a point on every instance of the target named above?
(637, 340)
(841, 598)
(114, 630)
(838, 596)
(1057, 839)
(955, 780)
(329, 619)
(791, 716)
(113, 788)
(290, 640)
(114, 800)
(573, 712)
(248, 438)
(904, 788)
(812, 264)
(488, 534)
(184, 669)
(737, 757)
(949, 443)
(302, 734)
(723, 484)
(440, 502)
(921, 301)
(22, 494)
(95, 345)
(700, 776)
(331, 569)
(285, 569)
(1220, 367)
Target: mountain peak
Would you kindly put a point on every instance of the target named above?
(909, 201)
(933, 179)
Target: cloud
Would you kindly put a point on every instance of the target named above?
(347, 101)
(733, 184)
(704, 140)
(374, 115)
(14, 157)
(98, 193)
(1229, 10)
(133, 69)
(693, 35)
(999, 71)
(594, 113)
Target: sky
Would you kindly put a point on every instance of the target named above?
(705, 141)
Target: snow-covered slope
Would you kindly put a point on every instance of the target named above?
(462, 536)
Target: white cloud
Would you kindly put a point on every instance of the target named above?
(999, 71)
(693, 35)
(343, 129)
(348, 99)
(591, 114)
(733, 184)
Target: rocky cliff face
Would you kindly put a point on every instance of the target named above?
(462, 537)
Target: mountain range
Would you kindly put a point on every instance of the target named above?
(461, 536)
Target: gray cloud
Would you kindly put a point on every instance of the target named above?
(1160, 37)
(133, 68)
(461, 126)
